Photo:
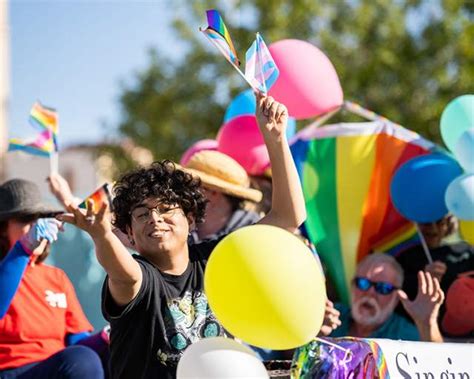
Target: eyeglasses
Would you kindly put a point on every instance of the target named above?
(381, 288)
(143, 214)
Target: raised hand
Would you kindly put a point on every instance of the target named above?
(331, 319)
(272, 116)
(425, 308)
(43, 231)
(97, 225)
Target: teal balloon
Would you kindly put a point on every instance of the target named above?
(460, 197)
(464, 150)
(457, 117)
(244, 104)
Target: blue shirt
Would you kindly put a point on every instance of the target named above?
(395, 328)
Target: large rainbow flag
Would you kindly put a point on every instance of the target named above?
(346, 171)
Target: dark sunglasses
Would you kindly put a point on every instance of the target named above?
(382, 288)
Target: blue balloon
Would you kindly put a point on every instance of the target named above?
(418, 187)
(464, 150)
(460, 197)
(245, 104)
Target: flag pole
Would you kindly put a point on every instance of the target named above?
(424, 245)
(53, 162)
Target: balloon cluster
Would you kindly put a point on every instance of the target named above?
(426, 188)
(457, 130)
(308, 86)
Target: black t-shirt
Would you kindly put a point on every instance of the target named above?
(149, 335)
(458, 257)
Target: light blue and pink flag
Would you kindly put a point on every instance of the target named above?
(260, 68)
(43, 145)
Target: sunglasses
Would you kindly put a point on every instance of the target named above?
(381, 288)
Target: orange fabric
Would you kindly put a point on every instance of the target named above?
(44, 310)
(389, 151)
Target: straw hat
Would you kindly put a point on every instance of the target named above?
(220, 172)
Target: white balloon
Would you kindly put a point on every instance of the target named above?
(220, 357)
(464, 150)
(460, 197)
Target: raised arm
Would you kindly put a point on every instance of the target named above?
(288, 207)
(424, 309)
(13, 266)
(124, 273)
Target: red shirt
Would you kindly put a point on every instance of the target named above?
(44, 310)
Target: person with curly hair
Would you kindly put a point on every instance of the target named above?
(155, 301)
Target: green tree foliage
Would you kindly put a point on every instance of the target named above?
(404, 59)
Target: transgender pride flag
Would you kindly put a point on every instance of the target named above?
(260, 69)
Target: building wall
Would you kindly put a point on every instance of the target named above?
(4, 82)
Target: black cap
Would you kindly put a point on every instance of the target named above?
(20, 197)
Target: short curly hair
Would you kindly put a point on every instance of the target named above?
(163, 181)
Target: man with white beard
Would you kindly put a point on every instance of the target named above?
(375, 293)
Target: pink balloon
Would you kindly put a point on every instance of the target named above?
(240, 138)
(308, 84)
(204, 144)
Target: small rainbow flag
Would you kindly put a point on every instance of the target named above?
(218, 34)
(99, 197)
(45, 118)
(43, 145)
(260, 68)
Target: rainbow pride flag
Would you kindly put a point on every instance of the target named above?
(43, 145)
(346, 171)
(260, 68)
(99, 197)
(219, 36)
(45, 118)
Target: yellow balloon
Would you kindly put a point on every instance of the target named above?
(265, 286)
(466, 227)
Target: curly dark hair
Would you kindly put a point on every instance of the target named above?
(161, 180)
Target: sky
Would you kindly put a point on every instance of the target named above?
(72, 55)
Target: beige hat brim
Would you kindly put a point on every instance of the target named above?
(217, 184)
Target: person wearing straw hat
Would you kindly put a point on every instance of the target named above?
(226, 186)
(40, 314)
(155, 301)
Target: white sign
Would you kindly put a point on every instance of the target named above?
(428, 360)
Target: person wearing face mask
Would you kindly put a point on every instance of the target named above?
(41, 320)
(375, 292)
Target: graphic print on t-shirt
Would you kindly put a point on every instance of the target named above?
(187, 320)
(56, 299)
